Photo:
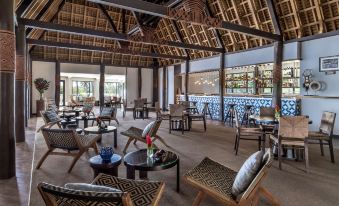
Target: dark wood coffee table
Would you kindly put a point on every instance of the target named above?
(96, 130)
(110, 168)
(85, 119)
(138, 160)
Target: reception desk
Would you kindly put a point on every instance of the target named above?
(291, 106)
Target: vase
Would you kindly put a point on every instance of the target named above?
(106, 154)
(40, 106)
(150, 151)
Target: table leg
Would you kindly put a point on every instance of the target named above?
(115, 138)
(178, 176)
(130, 173)
(100, 138)
(85, 123)
(143, 174)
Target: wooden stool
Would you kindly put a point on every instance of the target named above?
(206, 110)
(246, 117)
(230, 114)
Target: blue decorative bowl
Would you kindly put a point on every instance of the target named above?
(106, 153)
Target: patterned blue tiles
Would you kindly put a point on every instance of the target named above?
(290, 107)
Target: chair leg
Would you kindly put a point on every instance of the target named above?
(235, 142)
(43, 158)
(135, 141)
(306, 156)
(204, 123)
(269, 196)
(198, 199)
(76, 158)
(182, 126)
(170, 125)
(237, 147)
(330, 145)
(127, 144)
(279, 154)
(161, 140)
(321, 147)
(95, 147)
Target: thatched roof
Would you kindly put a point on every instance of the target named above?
(297, 18)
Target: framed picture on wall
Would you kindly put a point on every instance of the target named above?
(328, 64)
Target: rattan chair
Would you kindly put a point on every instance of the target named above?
(293, 133)
(136, 134)
(109, 114)
(132, 193)
(247, 133)
(216, 180)
(325, 133)
(67, 141)
(159, 113)
(177, 115)
(48, 123)
(139, 108)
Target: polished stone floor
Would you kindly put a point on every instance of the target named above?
(291, 185)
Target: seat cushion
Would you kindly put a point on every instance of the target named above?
(51, 116)
(133, 132)
(247, 173)
(147, 129)
(90, 187)
(214, 176)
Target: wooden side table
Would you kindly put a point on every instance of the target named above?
(110, 168)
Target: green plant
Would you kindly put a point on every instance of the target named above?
(41, 85)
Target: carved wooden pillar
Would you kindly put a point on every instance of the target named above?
(139, 82)
(155, 84)
(57, 83)
(102, 86)
(187, 70)
(20, 83)
(277, 74)
(7, 86)
(222, 85)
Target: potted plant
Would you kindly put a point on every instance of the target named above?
(41, 85)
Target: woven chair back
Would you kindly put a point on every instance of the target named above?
(139, 103)
(293, 127)
(60, 138)
(157, 106)
(60, 196)
(176, 110)
(327, 123)
(186, 104)
(267, 112)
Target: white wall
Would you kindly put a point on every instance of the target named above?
(80, 68)
(132, 86)
(44, 70)
(170, 80)
(147, 84)
(115, 70)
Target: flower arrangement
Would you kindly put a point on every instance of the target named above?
(277, 111)
(149, 146)
(41, 85)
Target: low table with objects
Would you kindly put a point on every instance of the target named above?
(110, 168)
(97, 130)
(85, 119)
(138, 160)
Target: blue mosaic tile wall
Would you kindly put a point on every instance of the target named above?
(290, 107)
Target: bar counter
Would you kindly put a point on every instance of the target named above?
(291, 106)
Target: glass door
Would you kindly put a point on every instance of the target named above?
(62, 93)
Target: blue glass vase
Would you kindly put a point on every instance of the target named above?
(106, 154)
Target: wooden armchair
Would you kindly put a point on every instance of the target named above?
(123, 192)
(159, 114)
(139, 108)
(136, 134)
(293, 133)
(325, 133)
(50, 118)
(109, 114)
(177, 115)
(216, 180)
(69, 140)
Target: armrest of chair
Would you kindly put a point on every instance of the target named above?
(49, 125)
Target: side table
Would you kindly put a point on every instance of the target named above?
(110, 168)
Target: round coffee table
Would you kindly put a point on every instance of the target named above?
(110, 168)
(85, 119)
(138, 160)
(96, 130)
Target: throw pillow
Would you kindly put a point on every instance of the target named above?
(107, 112)
(52, 116)
(147, 129)
(90, 187)
(247, 173)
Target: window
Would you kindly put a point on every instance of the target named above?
(82, 89)
(114, 89)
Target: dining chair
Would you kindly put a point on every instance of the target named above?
(109, 114)
(139, 108)
(177, 116)
(293, 133)
(67, 141)
(325, 133)
(247, 133)
(104, 190)
(159, 113)
(218, 181)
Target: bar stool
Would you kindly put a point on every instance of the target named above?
(246, 117)
(206, 110)
(230, 114)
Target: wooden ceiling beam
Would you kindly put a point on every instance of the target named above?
(163, 11)
(216, 32)
(106, 34)
(274, 16)
(101, 49)
(23, 8)
(108, 17)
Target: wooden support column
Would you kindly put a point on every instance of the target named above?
(7, 87)
(277, 74)
(222, 85)
(102, 86)
(139, 82)
(57, 83)
(155, 84)
(187, 70)
(20, 77)
(164, 89)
